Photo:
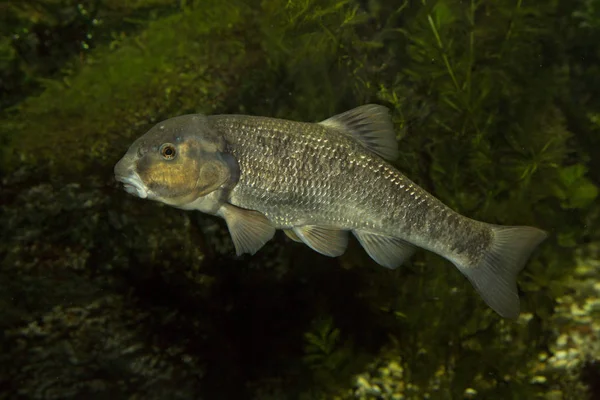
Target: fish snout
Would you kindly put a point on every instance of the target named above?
(123, 167)
(132, 183)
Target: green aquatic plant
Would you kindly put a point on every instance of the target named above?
(304, 43)
(330, 358)
(493, 142)
(146, 77)
(321, 349)
(44, 40)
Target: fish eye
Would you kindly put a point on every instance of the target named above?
(168, 151)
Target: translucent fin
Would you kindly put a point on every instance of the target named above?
(327, 241)
(290, 233)
(250, 230)
(495, 277)
(371, 125)
(387, 251)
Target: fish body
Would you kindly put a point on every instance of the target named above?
(302, 174)
(319, 182)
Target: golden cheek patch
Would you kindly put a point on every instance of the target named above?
(175, 177)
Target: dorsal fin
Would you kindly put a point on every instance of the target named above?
(371, 125)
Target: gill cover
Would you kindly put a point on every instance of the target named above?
(182, 159)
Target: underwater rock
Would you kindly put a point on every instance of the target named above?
(97, 349)
(77, 261)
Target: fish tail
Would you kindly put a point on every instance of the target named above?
(495, 276)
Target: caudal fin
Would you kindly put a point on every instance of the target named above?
(495, 277)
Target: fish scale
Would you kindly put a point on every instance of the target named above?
(308, 188)
(310, 193)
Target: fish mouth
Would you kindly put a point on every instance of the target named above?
(133, 185)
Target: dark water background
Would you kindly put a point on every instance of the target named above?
(103, 295)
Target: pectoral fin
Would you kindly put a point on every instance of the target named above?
(387, 251)
(327, 241)
(250, 230)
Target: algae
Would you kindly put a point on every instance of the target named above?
(85, 117)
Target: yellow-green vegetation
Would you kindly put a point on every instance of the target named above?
(187, 62)
(496, 106)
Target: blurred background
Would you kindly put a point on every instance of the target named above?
(103, 295)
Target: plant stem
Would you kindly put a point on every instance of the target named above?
(444, 55)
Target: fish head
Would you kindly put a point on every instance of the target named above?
(176, 162)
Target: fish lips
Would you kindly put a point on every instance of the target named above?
(133, 185)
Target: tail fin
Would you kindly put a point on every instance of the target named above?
(495, 277)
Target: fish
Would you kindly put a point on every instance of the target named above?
(319, 182)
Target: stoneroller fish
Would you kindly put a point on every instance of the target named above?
(318, 182)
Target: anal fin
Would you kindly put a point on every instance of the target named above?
(387, 251)
(331, 242)
(249, 229)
